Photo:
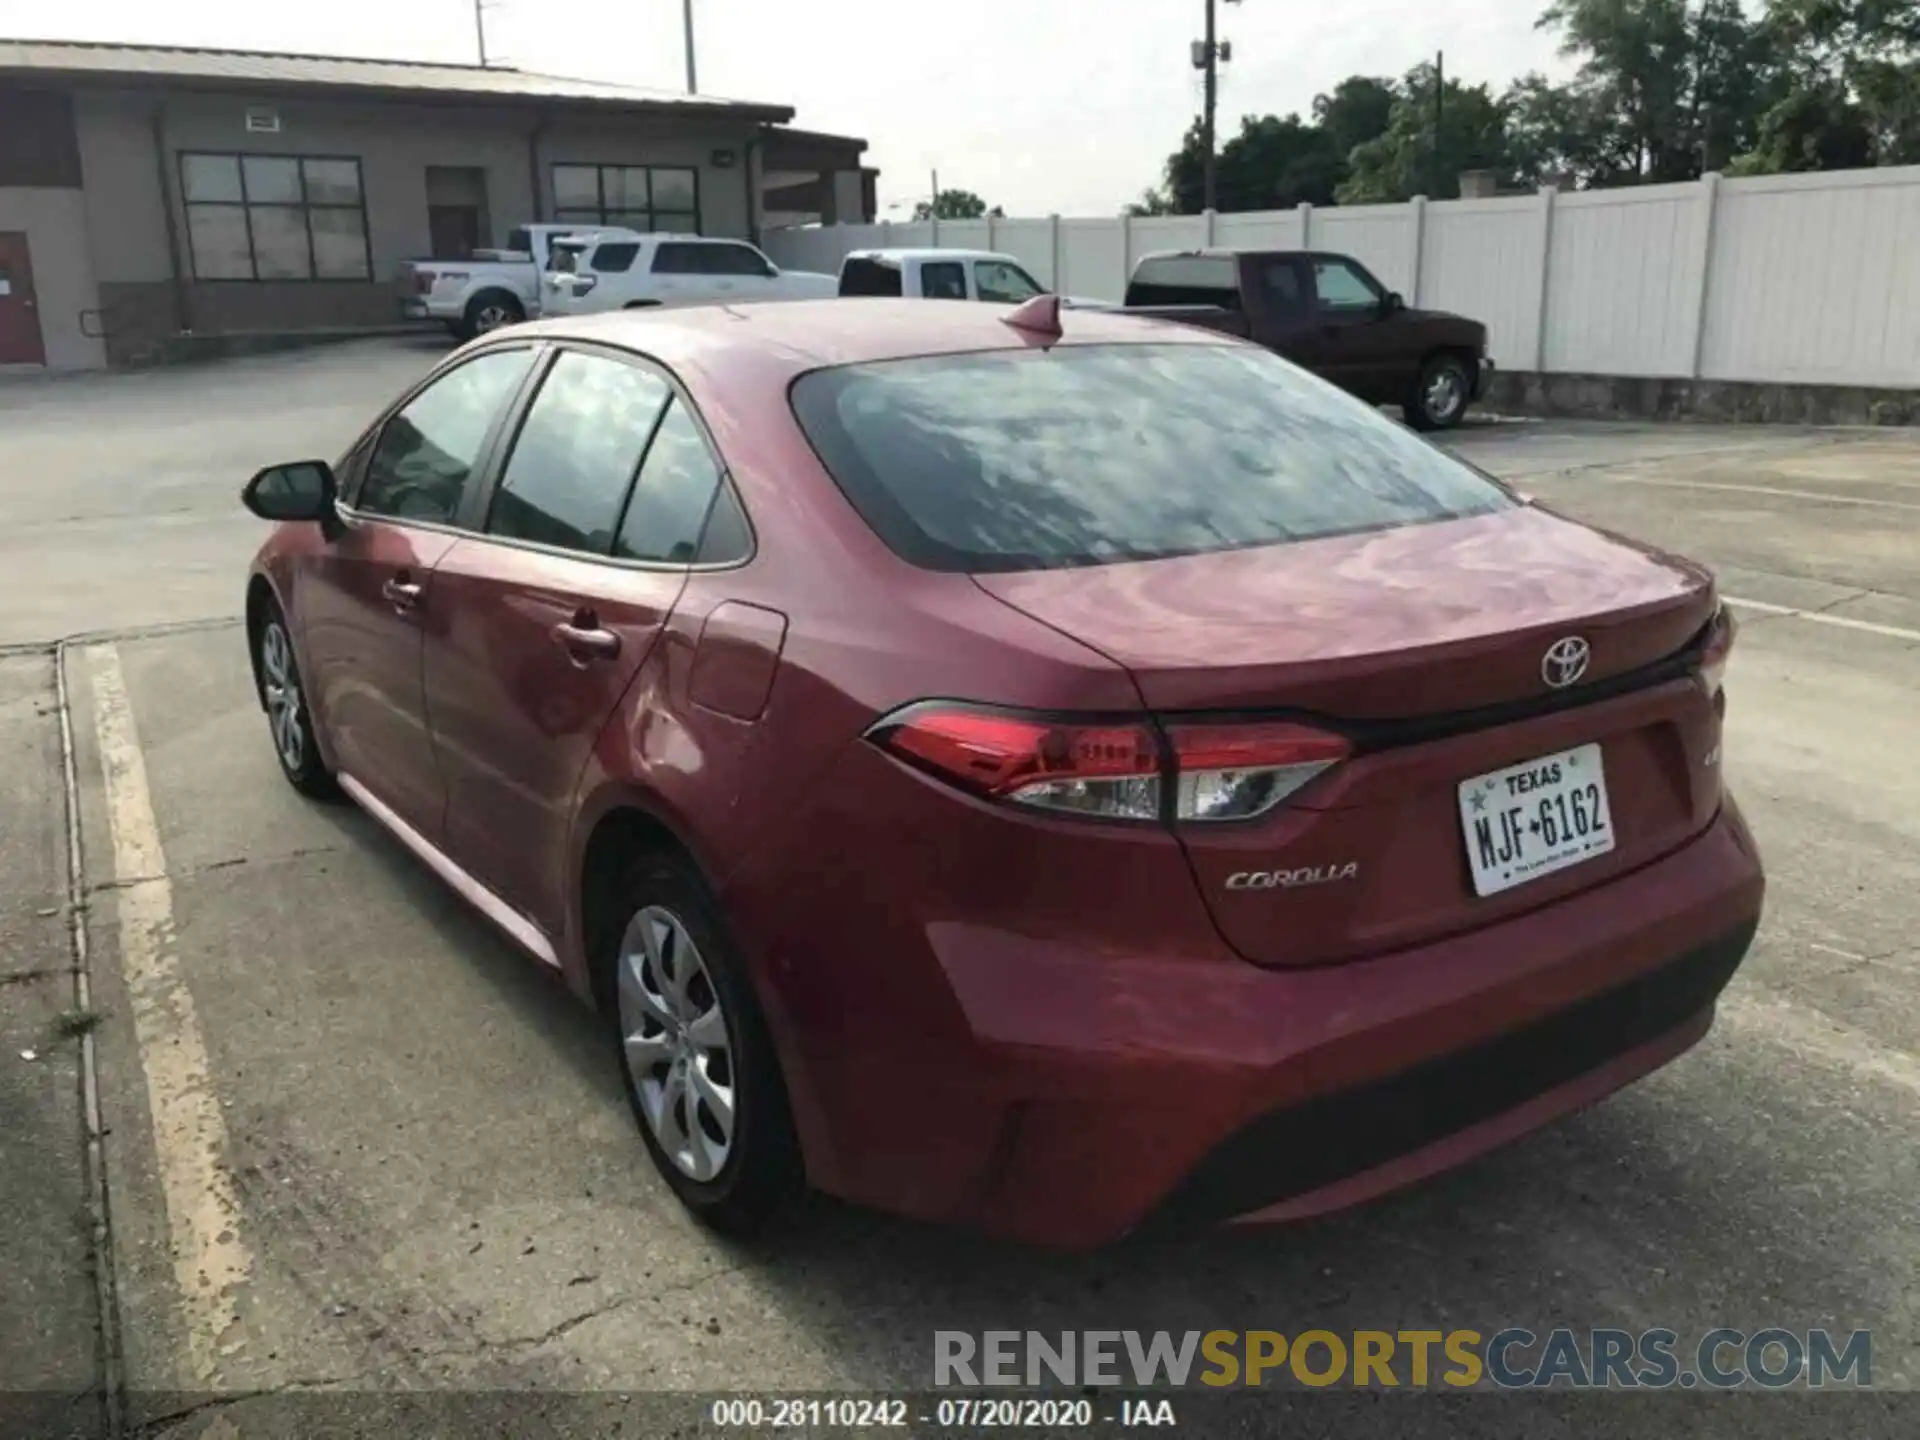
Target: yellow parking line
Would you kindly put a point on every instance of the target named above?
(210, 1258)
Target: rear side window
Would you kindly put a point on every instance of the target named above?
(616, 258)
(1087, 455)
(674, 493)
(576, 452)
(1186, 280)
(861, 276)
(518, 238)
(677, 258)
(943, 280)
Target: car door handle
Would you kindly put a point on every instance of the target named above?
(587, 642)
(403, 595)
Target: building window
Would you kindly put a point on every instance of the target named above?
(637, 197)
(275, 217)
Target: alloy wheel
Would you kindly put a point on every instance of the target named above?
(281, 683)
(1445, 393)
(675, 1039)
(491, 317)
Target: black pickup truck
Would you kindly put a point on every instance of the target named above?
(1326, 313)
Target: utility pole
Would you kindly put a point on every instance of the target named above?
(480, 29)
(686, 13)
(1210, 103)
(1439, 110)
(1208, 56)
(933, 196)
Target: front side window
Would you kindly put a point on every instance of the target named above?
(274, 217)
(671, 499)
(427, 452)
(615, 258)
(1286, 293)
(634, 197)
(1008, 284)
(1342, 287)
(573, 460)
(736, 260)
(1092, 454)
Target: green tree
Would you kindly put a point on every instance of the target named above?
(1854, 62)
(1355, 111)
(951, 205)
(1152, 201)
(1818, 126)
(1407, 160)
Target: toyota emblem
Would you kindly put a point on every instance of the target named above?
(1565, 661)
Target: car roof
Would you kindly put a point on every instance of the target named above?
(927, 252)
(794, 336)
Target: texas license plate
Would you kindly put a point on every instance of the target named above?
(1532, 819)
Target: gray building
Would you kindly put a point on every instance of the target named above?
(151, 193)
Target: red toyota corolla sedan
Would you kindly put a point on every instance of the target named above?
(1029, 769)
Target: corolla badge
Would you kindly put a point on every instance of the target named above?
(1565, 661)
(1288, 879)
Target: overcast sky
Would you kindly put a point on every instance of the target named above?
(1038, 105)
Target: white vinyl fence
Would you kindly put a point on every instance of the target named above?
(1807, 279)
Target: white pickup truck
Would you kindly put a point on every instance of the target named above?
(494, 288)
(935, 274)
(605, 271)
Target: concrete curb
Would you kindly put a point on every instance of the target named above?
(1618, 397)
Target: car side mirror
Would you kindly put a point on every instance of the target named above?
(1393, 304)
(302, 490)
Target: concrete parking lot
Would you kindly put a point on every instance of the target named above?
(355, 1141)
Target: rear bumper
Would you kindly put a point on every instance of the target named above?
(1482, 377)
(1096, 1091)
(414, 308)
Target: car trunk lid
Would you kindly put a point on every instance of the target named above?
(1427, 646)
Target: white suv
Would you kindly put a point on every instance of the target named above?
(587, 273)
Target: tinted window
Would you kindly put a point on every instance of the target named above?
(575, 455)
(1286, 292)
(670, 502)
(1342, 287)
(427, 451)
(1186, 280)
(674, 258)
(859, 276)
(1019, 460)
(735, 260)
(519, 239)
(728, 537)
(615, 258)
(997, 280)
(943, 280)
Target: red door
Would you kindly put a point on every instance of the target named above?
(365, 607)
(19, 314)
(530, 655)
(547, 619)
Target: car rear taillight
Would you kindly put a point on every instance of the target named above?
(422, 282)
(1712, 669)
(1092, 769)
(1115, 770)
(1231, 772)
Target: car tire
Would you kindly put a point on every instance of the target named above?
(491, 310)
(1441, 393)
(687, 1032)
(289, 717)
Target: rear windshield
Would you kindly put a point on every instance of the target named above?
(1087, 455)
(1186, 280)
(862, 276)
